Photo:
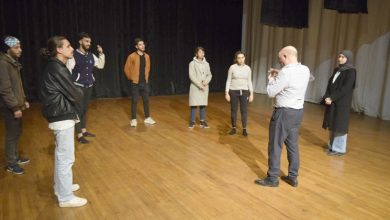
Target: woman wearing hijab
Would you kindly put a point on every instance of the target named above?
(337, 99)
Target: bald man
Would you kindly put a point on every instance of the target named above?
(288, 87)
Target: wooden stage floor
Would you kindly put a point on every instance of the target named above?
(168, 171)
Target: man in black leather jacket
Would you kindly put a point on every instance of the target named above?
(61, 103)
(61, 98)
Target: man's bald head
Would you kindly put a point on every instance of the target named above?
(288, 55)
(290, 51)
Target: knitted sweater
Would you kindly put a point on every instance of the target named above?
(239, 78)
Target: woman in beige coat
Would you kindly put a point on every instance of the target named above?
(200, 76)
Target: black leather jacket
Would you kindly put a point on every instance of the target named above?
(61, 98)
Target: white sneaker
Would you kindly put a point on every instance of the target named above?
(133, 123)
(150, 121)
(75, 187)
(75, 202)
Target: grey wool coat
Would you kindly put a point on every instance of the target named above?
(199, 71)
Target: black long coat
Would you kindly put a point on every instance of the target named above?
(336, 117)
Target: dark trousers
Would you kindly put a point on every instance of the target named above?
(239, 96)
(137, 90)
(13, 130)
(87, 92)
(284, 128)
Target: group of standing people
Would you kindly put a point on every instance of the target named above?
(239, 89)
(288, 86)
(66, 90)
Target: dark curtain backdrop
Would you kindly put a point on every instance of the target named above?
(171, 30)
(285, 13)
(347, 6)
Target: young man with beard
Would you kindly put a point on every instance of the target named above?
(137, 70)
(81, 66)
(61, 100)
(12, 101)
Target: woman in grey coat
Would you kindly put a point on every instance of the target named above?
(200, 76)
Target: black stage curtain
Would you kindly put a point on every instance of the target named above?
(285, 13)
(347, 6)
(171, 30)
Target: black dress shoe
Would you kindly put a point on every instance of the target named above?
(233, 131)
(291, 181)
(87, 134)
(267, 182)
(244, 132)
(82, 140)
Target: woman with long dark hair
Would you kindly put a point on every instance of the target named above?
(61, 104)
(337, 99)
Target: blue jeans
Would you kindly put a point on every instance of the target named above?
(202, 112)
(63, 162)
(337, 142)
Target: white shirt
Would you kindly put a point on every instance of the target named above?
(239, 78)
(289, 86)
(99, 61)
(335, 76)
(61, 125)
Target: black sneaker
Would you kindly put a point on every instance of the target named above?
(290, 180)
(203, 124)
(244, 132)
(15, 169)
(23, 160)
(87, 134)
(82, 140)
(191, 125)
(233, 131)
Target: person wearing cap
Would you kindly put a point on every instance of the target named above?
(337, 99)
(12, 101)
(81, 67)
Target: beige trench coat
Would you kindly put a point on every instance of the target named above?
(199, 71)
